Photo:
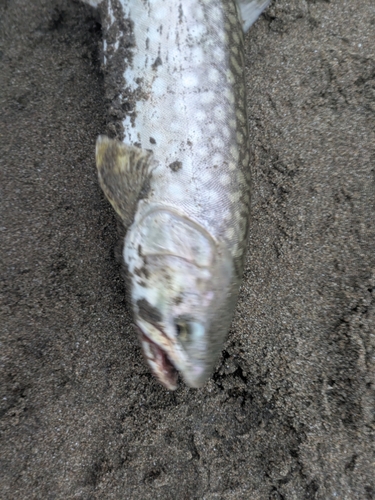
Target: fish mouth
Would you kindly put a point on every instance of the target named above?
(159, 362)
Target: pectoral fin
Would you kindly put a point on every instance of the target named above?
(251, 10)
(124, 175)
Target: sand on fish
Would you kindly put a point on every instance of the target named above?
(289, 412)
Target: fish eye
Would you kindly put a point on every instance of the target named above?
(183, 329)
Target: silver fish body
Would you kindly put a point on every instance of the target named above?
(179, 176)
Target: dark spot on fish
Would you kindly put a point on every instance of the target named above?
(152, 140)
(178, 300)
(175, 166)
(180, 14)
(148, 312)
(157, 62)
(147, 43)
(189, 143)
(138, 272)
(145, 272)
(142, 272)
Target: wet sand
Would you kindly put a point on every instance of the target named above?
(289, 412)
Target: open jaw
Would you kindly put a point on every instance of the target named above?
(161, 366)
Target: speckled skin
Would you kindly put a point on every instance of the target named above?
(185, 77)
(176, 83)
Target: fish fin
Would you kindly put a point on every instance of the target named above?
(124, 175)
(251, 10)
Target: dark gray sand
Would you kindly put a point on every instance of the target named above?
(289, 413)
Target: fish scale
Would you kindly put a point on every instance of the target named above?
(196, 91)
(177, 171)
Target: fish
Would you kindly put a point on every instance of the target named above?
(175, 166)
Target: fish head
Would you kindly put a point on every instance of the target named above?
(182, 295)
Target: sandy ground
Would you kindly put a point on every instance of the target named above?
(289, 413)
